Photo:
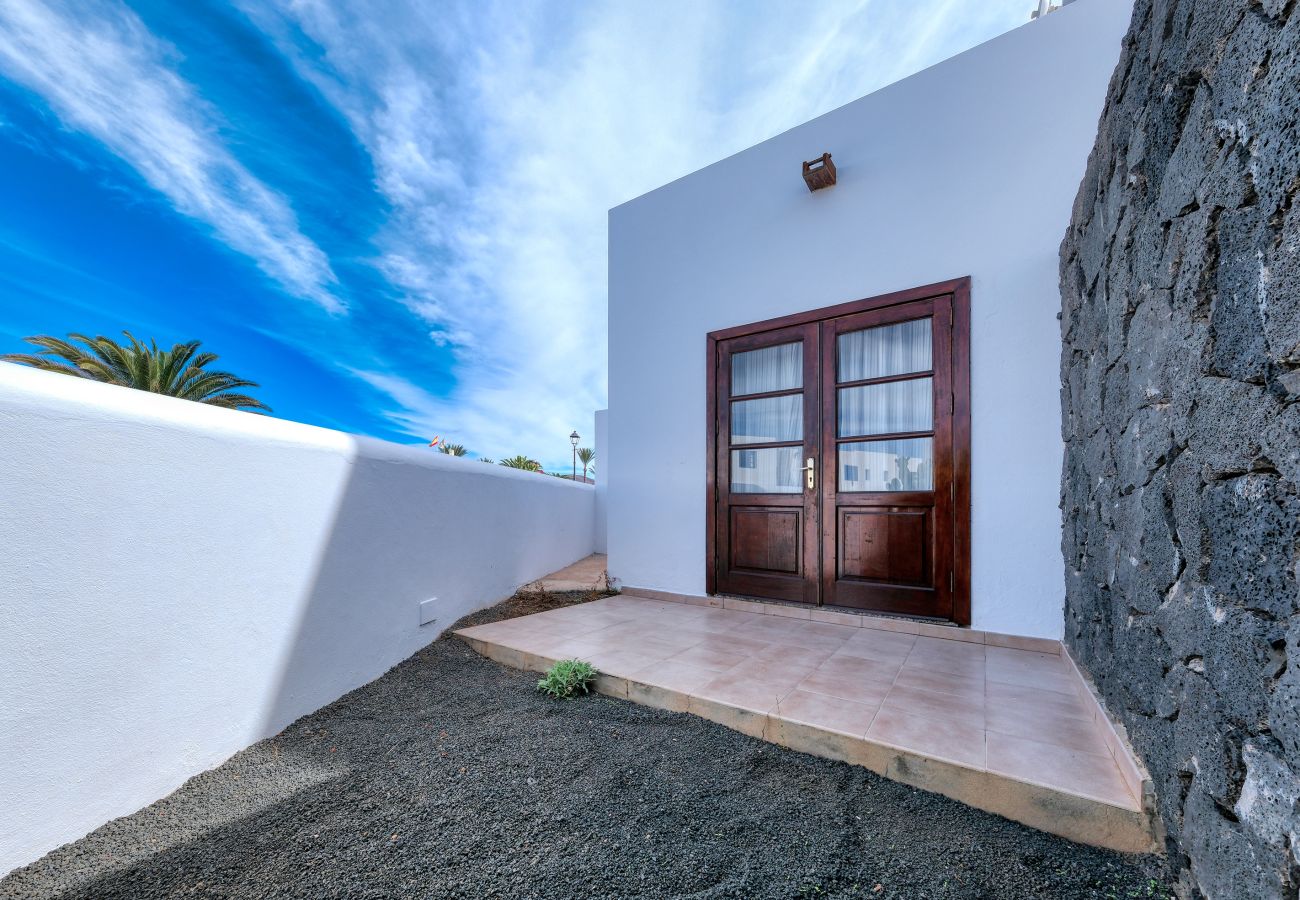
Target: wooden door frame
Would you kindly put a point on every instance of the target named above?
(959, 288)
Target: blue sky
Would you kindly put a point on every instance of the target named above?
(392, 215)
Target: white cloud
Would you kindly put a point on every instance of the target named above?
(104, 74)
(501, 134)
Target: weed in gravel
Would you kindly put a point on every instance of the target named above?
(567, 677)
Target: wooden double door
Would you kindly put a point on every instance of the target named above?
(840, 456)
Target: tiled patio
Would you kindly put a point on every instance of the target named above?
(1008, 730)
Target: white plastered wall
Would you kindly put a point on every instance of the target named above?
(178, 581)
(967, 168)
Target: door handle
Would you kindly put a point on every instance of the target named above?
(811, 469)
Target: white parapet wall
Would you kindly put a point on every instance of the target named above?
(602, 480)
(179, 581)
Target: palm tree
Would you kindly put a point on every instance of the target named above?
(178, 372)
(522, 462)
(453, 449)
(587, 457)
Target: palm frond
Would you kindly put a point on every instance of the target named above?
(178, 372)
(45, 363)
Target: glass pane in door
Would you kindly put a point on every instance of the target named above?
(767, 470)
(767, 420)
(778, 368)
(883, 351)
(897, 465)
(888, 408)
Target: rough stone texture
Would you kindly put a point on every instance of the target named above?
(1180, 379)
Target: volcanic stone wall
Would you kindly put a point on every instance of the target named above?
(1180, 381)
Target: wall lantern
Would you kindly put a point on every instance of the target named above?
(820, 173)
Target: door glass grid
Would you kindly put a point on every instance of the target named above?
(897, 465)
(890, 408)
(899, 406)
(778, 368)
(766, 470)
(884, 351)
(767, 420)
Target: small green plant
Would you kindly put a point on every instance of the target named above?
(568, 677)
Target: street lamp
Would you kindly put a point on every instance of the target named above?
(573, 439)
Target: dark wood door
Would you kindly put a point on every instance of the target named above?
(887, 501)
(840, 456)
(767, 420)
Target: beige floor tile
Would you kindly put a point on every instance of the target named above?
(1008, 656)
(1056, 682)
(794, 654)
(674, 675)
(968, 685)
(947, 649)
(772, 628)
(826, 631)
(1024, 662)
(1088, 774)
(788, 610)
(617, 662)
(951, 741)
(1033, 699)
(858, 689)
(857, 668)
(732, 643)
(885, 645)
(944, 708)
(1046, 726)
(755, 695)
(824, 711)
(952, 664)
(836, 618)
(706, 657)
(643, 639)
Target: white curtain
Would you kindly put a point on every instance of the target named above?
(767, 420)
(778, 368)
(885, 350)
(888, 408)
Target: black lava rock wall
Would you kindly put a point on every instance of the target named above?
(1181, 399)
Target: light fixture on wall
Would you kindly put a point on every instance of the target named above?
(819, 173)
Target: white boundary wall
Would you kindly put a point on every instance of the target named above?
(602, 481)
(967, 168)
(179, 581)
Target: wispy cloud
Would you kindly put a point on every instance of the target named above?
(105, 75)
(498, 135)
(502, 133)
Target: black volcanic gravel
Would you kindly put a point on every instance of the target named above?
(450, 777)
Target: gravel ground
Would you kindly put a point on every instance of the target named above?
(450, 777)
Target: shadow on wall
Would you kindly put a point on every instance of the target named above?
(461, 543)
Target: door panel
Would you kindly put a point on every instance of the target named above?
(766, 539)
(875, 395)
(888, 543)
(766, 423)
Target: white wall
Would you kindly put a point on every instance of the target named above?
(602, 481)
(179, 581)
(967, 168)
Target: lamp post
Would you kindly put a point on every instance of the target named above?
(573, 439)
